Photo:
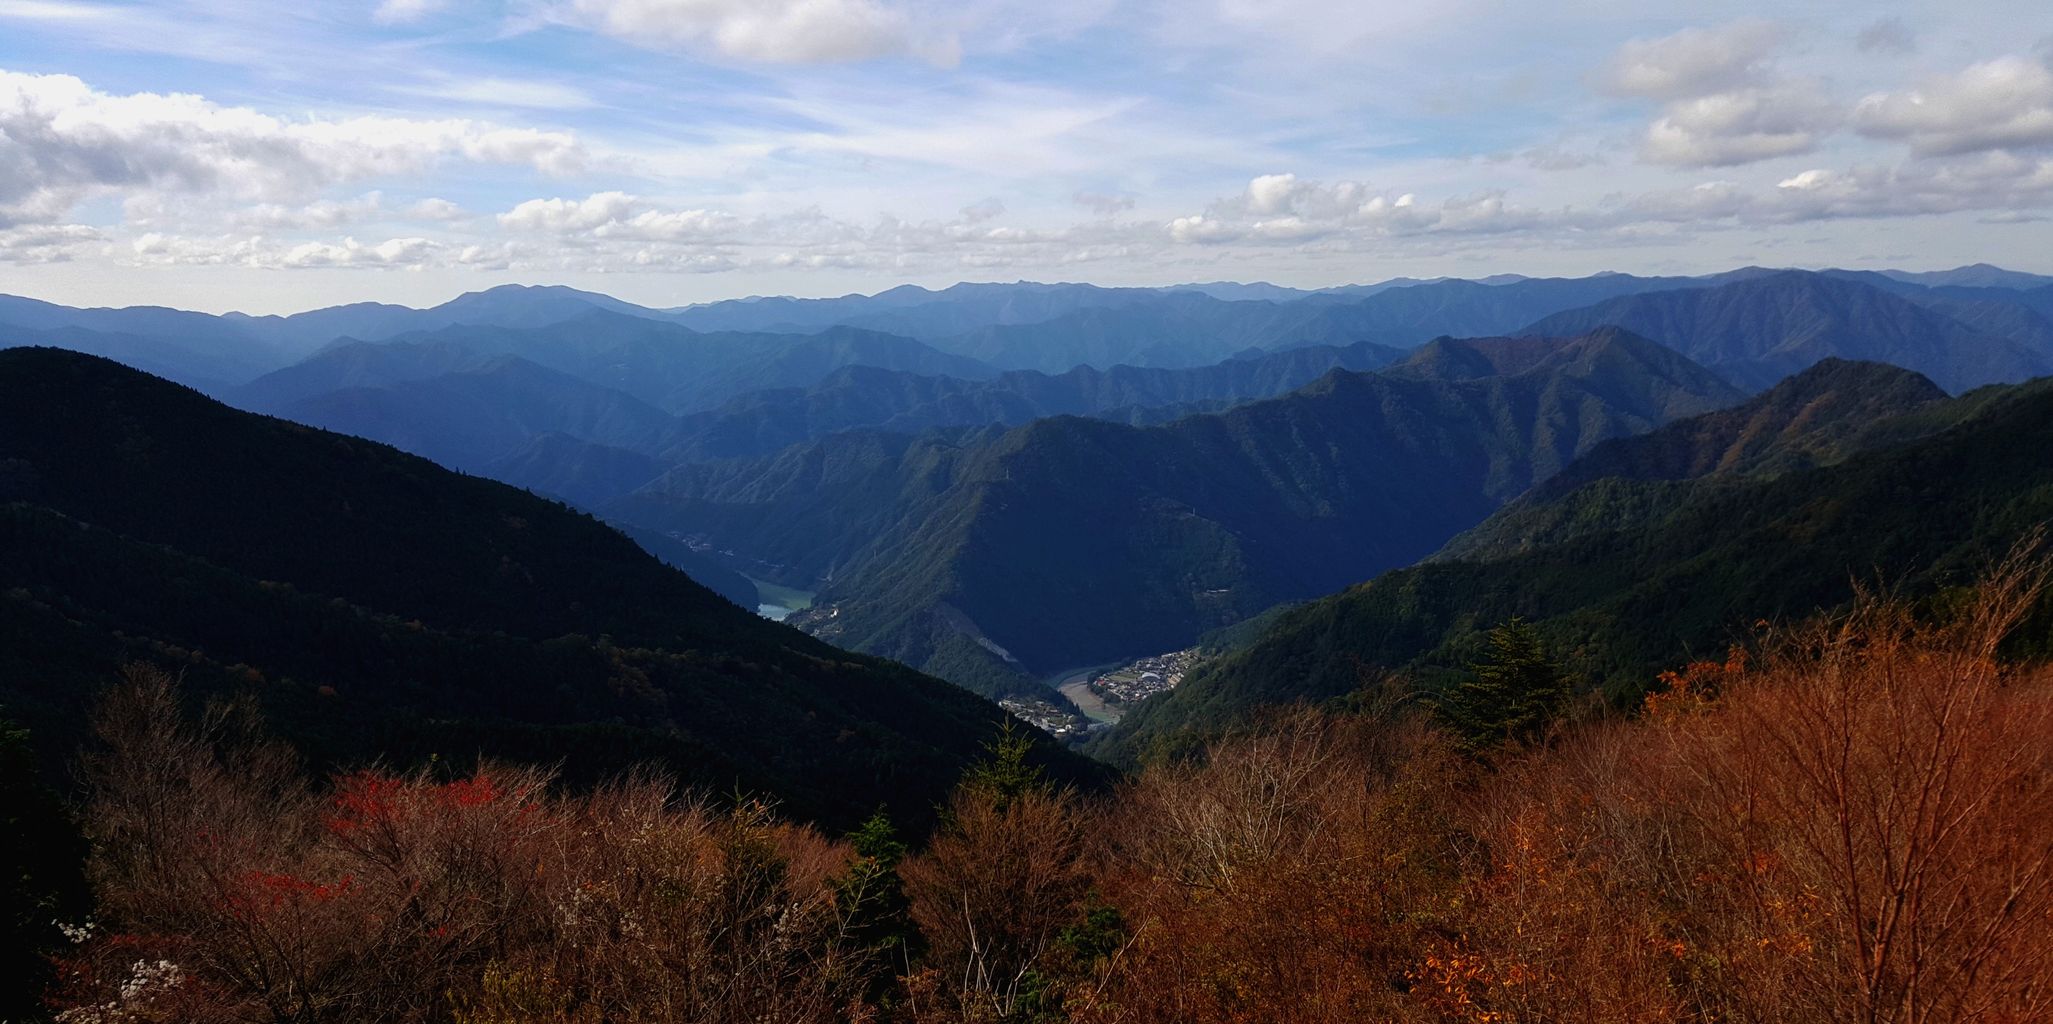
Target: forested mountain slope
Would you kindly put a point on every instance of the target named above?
(994, 556)
(1946, 489)
(378, 606)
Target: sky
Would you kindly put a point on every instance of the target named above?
(270, 157)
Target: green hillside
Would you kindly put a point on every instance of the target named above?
(995, 558)
(1945, 489)
(375, 604)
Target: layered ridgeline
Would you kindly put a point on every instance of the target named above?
(1759, 329)
(1046, 327)
(1654, 546)
(996, 557)
(215, 353)
(376, 605)
(511, 418)
(673, 368)
(859, 397)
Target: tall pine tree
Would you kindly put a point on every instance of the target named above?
(1513, 694)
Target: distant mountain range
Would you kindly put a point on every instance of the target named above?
(867, 397)
(1047, 327)
(379, 607)
(998, 556)
(1761, 329)
(1672, 542)
(993, 481)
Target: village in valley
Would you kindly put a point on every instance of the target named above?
(1136, 682)
(1103, 695)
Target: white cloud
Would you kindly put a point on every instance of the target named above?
(262, 252)
(1998, 182)
(1197, 228)
(47, 243)
(436, 209)
(62, 141)
(776, 31)
(321, 214)
(1725, 103)
(1808, 180)
(568, 215)
(617, 215)
(1694, 61)
(1997, 104)
(393, 12)
(393, 252)
(1282, 208)
(1724, 129)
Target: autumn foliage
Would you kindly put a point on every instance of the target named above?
(1849, 822)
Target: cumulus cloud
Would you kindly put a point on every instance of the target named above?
(1998, 182)
(321, 214)
(435, 209)
(1694, 61)
(1999, 104)
(1729, 128)
(562, 215)
(1724, 101)
(62, 141)
(1283, 208)
(259, 251)
(776, 31)
(606, 215)
(393, 252)
(47, 243)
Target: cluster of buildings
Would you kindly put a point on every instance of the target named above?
(1046, 716)
(1145, 678)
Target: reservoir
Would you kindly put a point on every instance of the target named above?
(776, 602)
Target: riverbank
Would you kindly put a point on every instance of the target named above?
(777, 603)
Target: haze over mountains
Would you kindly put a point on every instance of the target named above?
(1069, 541)
(994, 483)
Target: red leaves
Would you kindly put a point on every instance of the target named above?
(368, 800)
(364, 800)
(471, 792)
(267, 892)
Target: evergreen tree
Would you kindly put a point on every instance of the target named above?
(1515, 692)
(872, 896)
(1006, 774)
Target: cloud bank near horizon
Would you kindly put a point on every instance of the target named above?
(689, 149)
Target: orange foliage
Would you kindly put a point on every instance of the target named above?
(1849, 825)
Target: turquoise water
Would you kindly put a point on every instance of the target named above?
(777, 603)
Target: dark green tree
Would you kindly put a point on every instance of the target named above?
(1514, 692)
(1006, 774)
(873, 904)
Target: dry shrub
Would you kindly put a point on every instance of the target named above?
(1869, 815)
(1852, 826)
(1283, 877)
(992, 894)
(242, 894)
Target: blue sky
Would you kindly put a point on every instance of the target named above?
(221, 154)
